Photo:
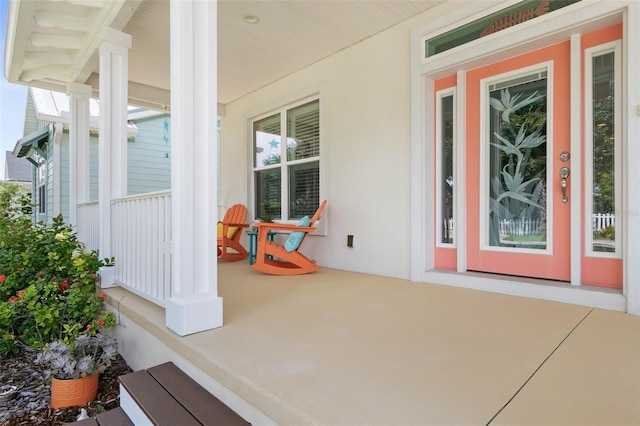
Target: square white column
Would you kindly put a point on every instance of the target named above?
(79, 95)
(194, 304)
(112, 150)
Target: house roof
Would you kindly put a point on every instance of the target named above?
(51, 43)
(17, 169)
(53, 107)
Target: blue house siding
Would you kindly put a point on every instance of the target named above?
(149, 164)
(30, 120)
(149, 156)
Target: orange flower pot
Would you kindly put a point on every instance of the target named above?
(73, 392)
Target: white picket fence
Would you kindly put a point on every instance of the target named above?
(603, 220)
(530, 226)
(519, 226)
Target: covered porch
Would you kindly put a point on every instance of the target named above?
(338, 347)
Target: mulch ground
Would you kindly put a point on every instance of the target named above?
(31, 406)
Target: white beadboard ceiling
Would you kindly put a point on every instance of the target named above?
(53, 42)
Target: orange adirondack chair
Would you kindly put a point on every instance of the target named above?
(273, 258)
(229, 233)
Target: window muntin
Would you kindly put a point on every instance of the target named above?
(287, 176)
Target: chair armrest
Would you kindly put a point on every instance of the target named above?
(238, 225)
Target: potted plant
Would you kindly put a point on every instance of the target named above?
(264, 219)
(75, 367)
(107, 273)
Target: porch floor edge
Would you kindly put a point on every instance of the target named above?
(554, 291)
(141, 327)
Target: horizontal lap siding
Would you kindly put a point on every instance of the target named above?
(149, 156)
(93, 168)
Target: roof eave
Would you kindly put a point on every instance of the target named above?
(19, 15)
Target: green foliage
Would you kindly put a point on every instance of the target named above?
(604, 155)
(266, 218)
(14, 200)
(608, 233)
(47, 285)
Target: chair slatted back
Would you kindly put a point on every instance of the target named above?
(316, 216)
(237, 213)
(313, 220)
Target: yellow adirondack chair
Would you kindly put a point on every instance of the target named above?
(276, 259)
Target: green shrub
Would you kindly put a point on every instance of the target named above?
(608, 233)
(14, 200)
(47, 285)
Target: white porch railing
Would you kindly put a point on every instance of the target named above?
(87, 226)
(141, 244)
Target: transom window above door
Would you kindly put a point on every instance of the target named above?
(286, 162)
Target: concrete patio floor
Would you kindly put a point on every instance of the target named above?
(342, 348)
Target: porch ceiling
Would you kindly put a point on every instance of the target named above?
(51, 43)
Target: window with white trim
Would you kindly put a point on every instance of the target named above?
(445, 122)
(287, 175)
(603, 156)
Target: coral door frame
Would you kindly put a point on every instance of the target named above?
(567, 24)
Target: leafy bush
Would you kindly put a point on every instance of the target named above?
(47, 285)
(14, 200)
(608, 233)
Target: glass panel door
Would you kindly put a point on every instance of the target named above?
(517, 147)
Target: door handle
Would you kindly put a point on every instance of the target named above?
(564, 174)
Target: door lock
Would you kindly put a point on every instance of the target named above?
(564, 174)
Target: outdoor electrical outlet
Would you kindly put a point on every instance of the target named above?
(349, 240)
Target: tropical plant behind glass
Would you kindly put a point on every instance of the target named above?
(518, 190)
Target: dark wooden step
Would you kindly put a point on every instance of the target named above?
(202, 405)
(170, 397)
(113, 417)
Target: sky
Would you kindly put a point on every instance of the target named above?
(13, 98)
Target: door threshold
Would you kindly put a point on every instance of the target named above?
(556, 291)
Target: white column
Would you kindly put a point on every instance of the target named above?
(460, 170)
(631, 152)
(575, 121)
(194, 304)
(55, 187)
(112, 151)
(79, 95)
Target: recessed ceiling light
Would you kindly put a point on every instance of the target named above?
(251, 19)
